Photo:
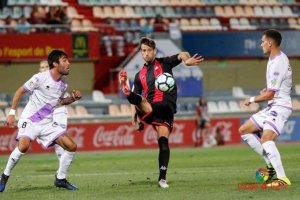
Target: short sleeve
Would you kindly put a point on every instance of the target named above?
(275, 76)
(171, 61)
(33, 83)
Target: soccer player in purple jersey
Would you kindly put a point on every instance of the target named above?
(46, 91)
(270, 120)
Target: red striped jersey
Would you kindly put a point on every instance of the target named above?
(144, 82)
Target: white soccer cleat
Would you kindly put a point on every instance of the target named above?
(163, 183)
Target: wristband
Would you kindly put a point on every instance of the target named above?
(252, 100)
(12, 112)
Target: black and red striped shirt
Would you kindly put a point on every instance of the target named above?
(144, 81)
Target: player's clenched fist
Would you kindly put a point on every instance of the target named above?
(76, 94)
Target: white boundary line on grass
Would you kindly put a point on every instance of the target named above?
(173, 171)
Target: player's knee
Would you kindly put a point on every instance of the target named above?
(23, 148)
(72, 147)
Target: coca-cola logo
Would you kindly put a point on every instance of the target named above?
(77, 135)
(8, 141)
(121, 136)
(223, 126)
(176, 137)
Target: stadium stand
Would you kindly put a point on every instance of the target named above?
(121, 22)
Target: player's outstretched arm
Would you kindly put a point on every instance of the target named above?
(188, 60)
(76, 95)
(11, 119)
(265, 95)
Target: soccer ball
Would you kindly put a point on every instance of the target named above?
(262, 175)
(165, 82)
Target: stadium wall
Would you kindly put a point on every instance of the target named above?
(14, 75)
(248, 74)
(121, 135)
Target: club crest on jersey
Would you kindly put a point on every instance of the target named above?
(31, 85)
(274, 81)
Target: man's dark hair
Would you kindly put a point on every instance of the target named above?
(274, 35)
(54, 56)
(147, 41)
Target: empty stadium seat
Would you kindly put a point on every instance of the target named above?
(212, 107)
(125, 109)
(72, 13)
(81, 111)
(98, 12)
(114, 110)
(223, 107)
(234, 106)
(99, 97)
(238, 92)
(88, 26)
(71, 112)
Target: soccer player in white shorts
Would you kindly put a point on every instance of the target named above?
(271, 119)
(60, 115)
(46, 92)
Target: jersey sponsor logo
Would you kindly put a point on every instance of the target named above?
(276, 73)
(273, 113)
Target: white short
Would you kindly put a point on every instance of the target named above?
(271, 118)
(46, 133)
(60, 116)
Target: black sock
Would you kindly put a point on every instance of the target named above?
(164, 156)
(134, 98)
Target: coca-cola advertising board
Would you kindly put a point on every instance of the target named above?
(121, 135)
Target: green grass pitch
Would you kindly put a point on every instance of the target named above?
(194, 173)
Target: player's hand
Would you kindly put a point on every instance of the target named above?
(76, 95)
(10, 121)
(138, 126)
(194, 60)
(247, 101)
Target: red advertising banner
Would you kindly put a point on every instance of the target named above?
(121, 135)
(38, 46)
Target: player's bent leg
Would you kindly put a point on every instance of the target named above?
(144, 106)
(65, 161)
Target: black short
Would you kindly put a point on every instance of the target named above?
(162, 115)
(202, 123)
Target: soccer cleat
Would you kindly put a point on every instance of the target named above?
(123, 81)
(3, 181)
(63, 183)
(271, 172)
(163, 183)
(279, 182)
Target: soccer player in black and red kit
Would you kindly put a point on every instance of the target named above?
(155, 107)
